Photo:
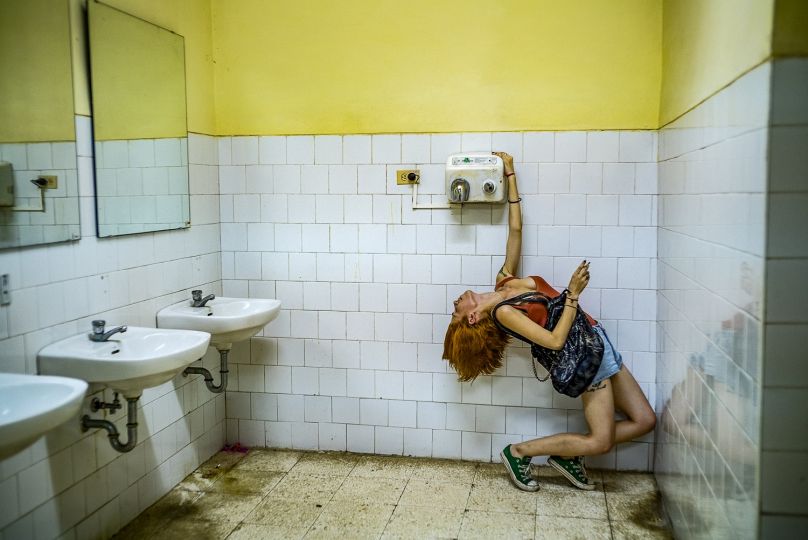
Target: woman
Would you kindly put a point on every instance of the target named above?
(474, 346)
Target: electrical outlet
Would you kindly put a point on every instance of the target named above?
(52, 181)
(5, 290)
(408, 176)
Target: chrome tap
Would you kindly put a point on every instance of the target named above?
(459, 190)
(198, 301)
(100, 335)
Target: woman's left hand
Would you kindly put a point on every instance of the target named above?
(507, 161)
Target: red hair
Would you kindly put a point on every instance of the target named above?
(474, 349)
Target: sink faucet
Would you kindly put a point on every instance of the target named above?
(198, 301)
(100, 335)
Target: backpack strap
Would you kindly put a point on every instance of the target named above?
(524, 298)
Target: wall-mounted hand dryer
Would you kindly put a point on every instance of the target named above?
(474, 177)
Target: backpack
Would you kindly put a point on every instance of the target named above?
(572, 368)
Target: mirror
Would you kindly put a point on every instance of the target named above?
(39, 199)
(137, 74)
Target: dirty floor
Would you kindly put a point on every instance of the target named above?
(291, 494)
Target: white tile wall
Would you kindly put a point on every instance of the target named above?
(712, 187)
(72, 484)
(784, 459)
(366, 284)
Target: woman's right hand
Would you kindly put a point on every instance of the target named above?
(579, 280)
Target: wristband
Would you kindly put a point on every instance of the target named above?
(517, 201)
(509, 174)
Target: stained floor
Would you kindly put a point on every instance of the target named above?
(291, 494)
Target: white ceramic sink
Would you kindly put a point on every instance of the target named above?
(226, 319)
(31, 405)
(128, 362)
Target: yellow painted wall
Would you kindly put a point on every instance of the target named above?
(188, 18)
(707, 44)
(790, 28)
(36, 91)
(361, 66)
(137, 77)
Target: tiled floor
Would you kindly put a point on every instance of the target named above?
(290, 494)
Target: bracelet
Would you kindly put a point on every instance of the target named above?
(516, 201)
(509, 174)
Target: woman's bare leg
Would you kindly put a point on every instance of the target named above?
(629, 399)
(599, 413)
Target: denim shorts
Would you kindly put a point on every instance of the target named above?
(612, 360)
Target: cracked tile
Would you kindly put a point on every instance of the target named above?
(357, 489)
(424, 522)
(343, 520)
(437, 494)
(308, 488)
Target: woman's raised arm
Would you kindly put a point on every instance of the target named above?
(513, 248)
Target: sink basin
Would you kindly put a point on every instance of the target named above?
(226, 319)
(127, 362)
(31, 405)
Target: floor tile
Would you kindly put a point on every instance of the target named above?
(358, 489)
(222, 461)
(559, 528)
(199, 480)
(444, 470)
(285, 517)
(628, 482)
(424, 522)
(245, 482)
(141, 527)
(496, 525)
(343, 520)
(176, 503)
(220, 507)
(495, 498)
(571, 504)
(490, 472)
(307, 487)
(331, 464)
(253, 531)
(384, 467)
(643, 509)
(626, 530)
(295, 494)
(269, 460)
(184, 528)
(436, 494)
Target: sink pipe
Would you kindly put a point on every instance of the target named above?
(88, 423)
(209, 376)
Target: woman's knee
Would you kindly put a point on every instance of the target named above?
(600, 444)
(647, 421)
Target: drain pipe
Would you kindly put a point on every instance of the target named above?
(209, 377)
(114, 437)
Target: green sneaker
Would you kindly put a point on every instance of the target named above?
(573, 470)
(519, 469)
